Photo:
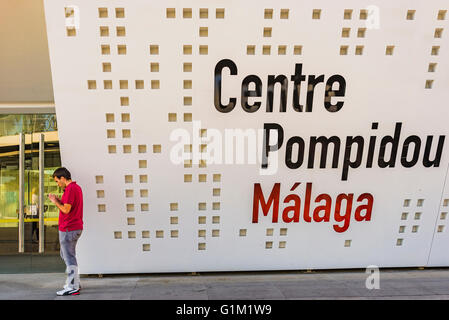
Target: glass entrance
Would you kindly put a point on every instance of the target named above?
(21, 246)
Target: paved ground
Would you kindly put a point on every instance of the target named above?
(347, 284)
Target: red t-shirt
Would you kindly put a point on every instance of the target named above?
(74, 219)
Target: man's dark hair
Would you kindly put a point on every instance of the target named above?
(62, 172)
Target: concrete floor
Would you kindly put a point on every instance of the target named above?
(346, 284)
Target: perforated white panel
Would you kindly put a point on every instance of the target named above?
(130, 77)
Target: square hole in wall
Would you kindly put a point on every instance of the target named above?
(144, 193)
(441, 15)
(154, 67)
(269, 231)
(110, 133)
(105, 49)
(415, 229)
(217, 177)
(443, 215)
(428, 84)
(363, 14)
(100, 193)
(282, 50)
(401, 229)
(266, 50)
(129, 207)
(267, 32)
(204, 32)
(187, 178)
(188, 163)
(131, 221)
(127, 148)
(343, 50)
(201, 220)
(284, 13)
(361, 32)
(155, 84)
(316, 14)
(139, 84)
(347, 15)
(121, 49)
(144, 207)
(216, 191)
(143, 178)
(129, 193)
(410, 14)
(202, 233)
(187, 13)
(170, 13)
(112, 149)
(216, 219)
(348, 243)
(406, 202)
(250, 49)
(435, 50)
(404, 215)
(91, 84)
(129, 178)
(187, 84)
(107, 84)
(71, 31)
(417, 215)
(121, 31)
(268, 244)
(187, 67)
(202, 177)
(104, 31)
(297, 50)
(359, 50)
(202, 206)
(157, 148)
(420, 202)
(99, 179)
(102, 12)
(123, 84)
(174, 206)
(432, 67)
(174, 233)
(216, 206)
(125, 117)
(399, 242)
(117, 234)
(119, 12)
(345, 32)
(124, 101)
(445, 202)
(154, 49)
(202, 164)
(215, 233)
(146, 247)
(283, 231)
(172, 117)
(143, 164)
(187, 49)
(242, 232)
(142, 148)
(101, 208)
(282, 244)
(201, 246)
(268, 14)
(203, 49)
(389, 50)
(173, 220)
(204, 13)
(438, 33)
(109, 117)
(145, 234)
(440, 228)
(131, 234)
(187, 101)
(159, 233)
(220, 13)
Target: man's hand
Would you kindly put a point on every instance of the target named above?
(53, 198)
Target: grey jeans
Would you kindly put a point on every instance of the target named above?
(68, 240)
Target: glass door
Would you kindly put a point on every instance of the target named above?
(31, 234)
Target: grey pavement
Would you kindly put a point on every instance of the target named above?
(400, 284)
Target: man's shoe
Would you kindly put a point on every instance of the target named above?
(67, 291)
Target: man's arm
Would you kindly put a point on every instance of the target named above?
(65, 208)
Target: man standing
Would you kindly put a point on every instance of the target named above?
(70, 226)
